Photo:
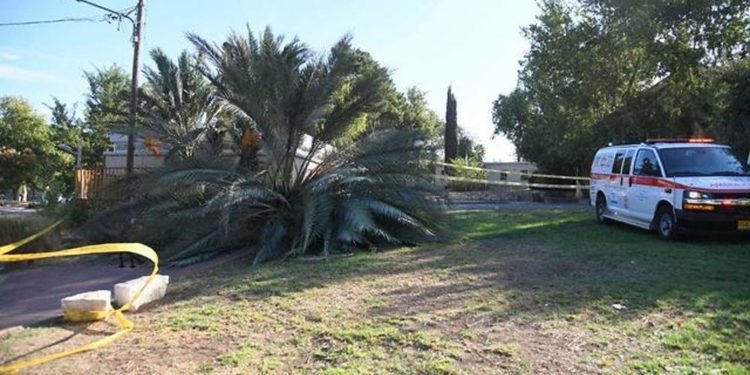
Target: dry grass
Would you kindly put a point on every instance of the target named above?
(518, 293)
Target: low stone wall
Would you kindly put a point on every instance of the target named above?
(494, 195)
(526, 195)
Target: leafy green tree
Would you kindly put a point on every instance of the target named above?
(68, 135)
(590, 58)
(385, 112)
(302, 195)
(407, 110)
(733, 123)
(478, 152)
(451, 128)
(682, 35)
(28, 154)
(106, 109)
(178, 105)
(467, 146)
(716, 107)
(418, 116)
(14, 166)
(575, 73)
(64, 125)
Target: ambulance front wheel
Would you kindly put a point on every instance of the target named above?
(666, 225)
(601, 210)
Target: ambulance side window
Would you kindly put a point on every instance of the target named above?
(646, 164)
(628, 161)
(617, 166)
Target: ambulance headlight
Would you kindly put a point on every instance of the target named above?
(698, 201)
(692, 194)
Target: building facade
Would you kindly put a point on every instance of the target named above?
(148, 154)
(510, 171)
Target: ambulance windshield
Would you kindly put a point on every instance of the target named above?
(701, 161)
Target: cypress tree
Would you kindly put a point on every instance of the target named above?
(451, 128)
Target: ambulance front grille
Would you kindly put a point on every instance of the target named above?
(732, 195)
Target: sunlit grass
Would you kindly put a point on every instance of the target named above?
(524, 292)
(478, 225)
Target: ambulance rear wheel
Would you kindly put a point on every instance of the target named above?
(666, 225)
(601, 210)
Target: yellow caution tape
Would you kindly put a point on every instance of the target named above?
(122, 322)
(527, 174)
(510, 183)
(86, 316)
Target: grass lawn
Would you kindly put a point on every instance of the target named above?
(516, 292)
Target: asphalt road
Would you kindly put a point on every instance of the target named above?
(33, 294)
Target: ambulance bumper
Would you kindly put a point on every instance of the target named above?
(696, 221)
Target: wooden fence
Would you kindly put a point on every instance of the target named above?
(99, 183)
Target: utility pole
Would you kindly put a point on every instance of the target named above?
(137, 28)
(136, 38)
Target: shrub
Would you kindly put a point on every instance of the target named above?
(467, 174)
(14, 227)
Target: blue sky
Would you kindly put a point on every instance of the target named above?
(475, 45)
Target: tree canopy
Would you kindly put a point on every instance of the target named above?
(590, 58)
(178, 104)
(29, 154)
(106, 109)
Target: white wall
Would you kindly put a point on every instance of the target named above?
(139, 161)
(517, 167)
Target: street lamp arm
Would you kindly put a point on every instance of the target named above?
(112, 11)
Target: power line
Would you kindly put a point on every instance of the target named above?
(69, 19)
(128, 11)
(109, 17)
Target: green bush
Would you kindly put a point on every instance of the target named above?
(14, 227)
(467, 173)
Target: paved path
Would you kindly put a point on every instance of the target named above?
(32, 295)
(9, 210)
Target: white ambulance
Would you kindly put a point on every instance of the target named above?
(671, 186)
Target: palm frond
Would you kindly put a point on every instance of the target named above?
(321, 181)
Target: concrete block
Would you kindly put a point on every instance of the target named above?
(154, 291)
(87, 306)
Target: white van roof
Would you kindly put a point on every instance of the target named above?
(665, 144)
(686, 144)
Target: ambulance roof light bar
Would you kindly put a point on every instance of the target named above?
(679, 140)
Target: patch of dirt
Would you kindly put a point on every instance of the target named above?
(483, 307)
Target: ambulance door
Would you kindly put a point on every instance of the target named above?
(646, 189)
(615, 189)
(626, 183)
